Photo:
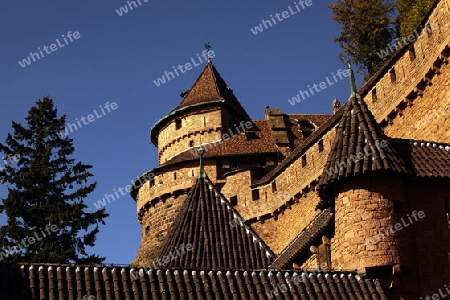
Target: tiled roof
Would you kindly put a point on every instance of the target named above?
(260, 141)
(358, 134)
(216, 231)
(423, 158)
(295, 130)
(210, 86)
(303, 240)
(117, 283)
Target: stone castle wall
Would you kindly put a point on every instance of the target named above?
(421, 89)
(196, 128)
(404, 107)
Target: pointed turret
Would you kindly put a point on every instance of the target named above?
(212, 234)
(359, 147)
(210, 87)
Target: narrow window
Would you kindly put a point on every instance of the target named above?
(304, 161)
(191, 143)
(233, 200)
(374, 95)
(174, 175)
(255, 194)
(177, 124)
(274, 186)
(320, 146)
(412, 53)
(393, 75)
(429, 29)
(192, 172)
(152, 182)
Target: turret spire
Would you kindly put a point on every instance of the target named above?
(354, 93)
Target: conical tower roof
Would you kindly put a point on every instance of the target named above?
(208, 89)
(360, 146)
(217, 233)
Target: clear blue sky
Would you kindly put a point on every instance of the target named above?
(116, 58)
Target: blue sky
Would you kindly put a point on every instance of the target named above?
(117, 58)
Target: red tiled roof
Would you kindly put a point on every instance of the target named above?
(210, 86)
(117, 283)
(261, 141)
(424, 158)
(217, 233)
(294, 128)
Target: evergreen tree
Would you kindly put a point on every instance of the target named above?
(46, 188)
(368, 27)
(411, 13)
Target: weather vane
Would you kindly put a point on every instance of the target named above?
(207, 47)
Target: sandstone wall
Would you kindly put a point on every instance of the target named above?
(407, 106)
(197, 128)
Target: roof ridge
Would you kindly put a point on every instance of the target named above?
(207, 219)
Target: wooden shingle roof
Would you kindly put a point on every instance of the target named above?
(217, 233)
(44, 282)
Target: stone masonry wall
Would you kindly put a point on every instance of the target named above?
(364, 208)
(159, 205)
(295, 184)
(421, 88)
(199, 127)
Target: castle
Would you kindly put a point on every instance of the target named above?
(291, 174)
(353, 205)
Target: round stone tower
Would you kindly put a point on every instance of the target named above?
(207, 112)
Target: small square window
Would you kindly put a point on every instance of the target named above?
(233, 200)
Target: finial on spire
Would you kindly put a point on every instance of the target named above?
(354, 93)
(207, 47)
(200, 152)
(336, 105)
